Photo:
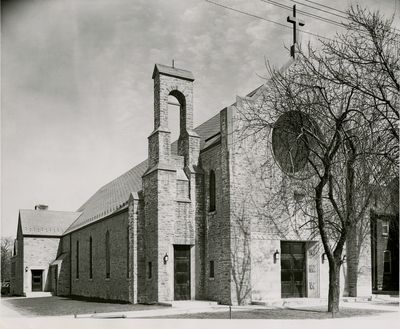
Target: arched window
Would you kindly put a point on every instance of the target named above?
(90, 258)
(212, 190)
(77, 259)
(107, 254)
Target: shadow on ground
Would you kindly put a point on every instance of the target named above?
(56, 306)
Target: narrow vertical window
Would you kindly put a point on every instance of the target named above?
(128, 263)
(149, 270)
(15, 247)
(77, 259)
(107, 254)
(385, 227)
(211, 269)
(90, 258)
(212, 190)
(387, 262)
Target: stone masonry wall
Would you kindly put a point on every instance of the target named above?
(263, 211)
(64, 268)
(39, 252)
(117, 286)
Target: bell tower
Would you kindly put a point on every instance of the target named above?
(178, 83)
(171, 187)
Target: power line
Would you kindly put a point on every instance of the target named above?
(263, 18)
(325, 11)
(320, 4)
(315, 16)
(343, 12)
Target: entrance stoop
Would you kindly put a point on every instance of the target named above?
(35, 294)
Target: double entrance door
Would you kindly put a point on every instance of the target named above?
(293, 269)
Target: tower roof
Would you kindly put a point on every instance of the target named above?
(172, 72)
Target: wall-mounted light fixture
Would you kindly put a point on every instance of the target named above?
(276, 256)
(165, 258)
(344, 259)
(323, 257)
(26, 269)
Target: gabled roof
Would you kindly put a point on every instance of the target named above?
(114, 196)
(46, 222)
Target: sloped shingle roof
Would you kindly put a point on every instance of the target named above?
(46, 222)
(114, 196)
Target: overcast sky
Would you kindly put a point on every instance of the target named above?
(77, 93)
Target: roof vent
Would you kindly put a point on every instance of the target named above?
(41, 207)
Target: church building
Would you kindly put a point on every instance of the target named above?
(200, 219)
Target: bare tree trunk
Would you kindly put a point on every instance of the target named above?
(334, 286)
(351, 241)
(352, 254)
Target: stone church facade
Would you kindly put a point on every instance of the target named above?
(202, 218)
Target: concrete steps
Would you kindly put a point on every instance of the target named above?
(38, 294)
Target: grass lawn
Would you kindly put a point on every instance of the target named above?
(284, 313)
(47, 306)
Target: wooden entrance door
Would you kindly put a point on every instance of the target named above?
(37, 280)
(293, 269)
(181, 272)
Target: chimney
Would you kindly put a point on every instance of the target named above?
(41, 207)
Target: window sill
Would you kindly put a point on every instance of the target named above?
(107, 279)
(213, 212)
(211, 279)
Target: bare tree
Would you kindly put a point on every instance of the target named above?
(6, 252)
(333, 114)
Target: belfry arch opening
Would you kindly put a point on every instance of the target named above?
(176, 114)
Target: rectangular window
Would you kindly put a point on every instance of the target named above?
(90, 258)
(149, 270)
(77, 259)
(387, 262)
(385, 227)
(211, 269)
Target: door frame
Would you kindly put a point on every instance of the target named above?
(305, 267)
(187, 248)
(41, 279)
